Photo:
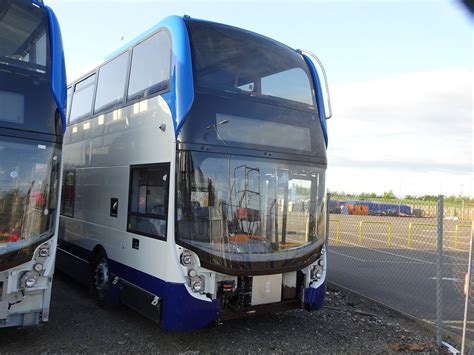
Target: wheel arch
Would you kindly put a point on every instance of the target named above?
(96, 252)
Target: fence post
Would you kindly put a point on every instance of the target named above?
(467, 291)
(328, 199)
(439, 274)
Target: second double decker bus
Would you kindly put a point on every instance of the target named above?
(194, 176)
(32, 123)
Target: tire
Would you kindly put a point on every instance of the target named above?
(101, 282)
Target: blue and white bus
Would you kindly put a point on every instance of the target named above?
(194, 176)
(32, 121)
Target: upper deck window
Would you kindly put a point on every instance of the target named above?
(150, 69)
(277, 85)
(23, 36)
(82, 99)
(231, 60)
(111, 83)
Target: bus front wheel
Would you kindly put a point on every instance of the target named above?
(101, 280)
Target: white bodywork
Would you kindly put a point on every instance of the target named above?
(101, 150)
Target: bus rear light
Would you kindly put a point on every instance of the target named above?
(228, 286)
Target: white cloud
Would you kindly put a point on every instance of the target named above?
(417, 126)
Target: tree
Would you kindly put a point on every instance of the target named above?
(389, 195)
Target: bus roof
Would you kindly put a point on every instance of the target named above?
(166, 21)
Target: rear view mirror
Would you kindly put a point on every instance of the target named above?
(320, 70)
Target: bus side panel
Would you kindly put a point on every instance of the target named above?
(99, 152)
(76, 268)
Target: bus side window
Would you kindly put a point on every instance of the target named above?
(148, 206)
(150, 68)
(82, 98)
(111, 83)
(69, 193)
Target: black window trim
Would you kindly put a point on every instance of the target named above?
(164, 217)
(269, 100)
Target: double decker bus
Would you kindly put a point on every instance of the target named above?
(194, 176)
(32, 121)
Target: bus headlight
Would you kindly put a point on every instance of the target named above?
(316, 272)
(186, 258)
(30, 282)
(197, 284)
(43, 252)
(38, 267)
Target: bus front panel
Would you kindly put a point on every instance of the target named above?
(30, 161)
(250, 176)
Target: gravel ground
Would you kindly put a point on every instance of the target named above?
(348, 323)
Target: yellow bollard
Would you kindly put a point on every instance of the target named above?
(338, 228)
(410, 229)
(389, 224)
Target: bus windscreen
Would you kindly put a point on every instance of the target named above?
(23, 36)
(28, 192)
(237, 61)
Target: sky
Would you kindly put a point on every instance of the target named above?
(400, 77)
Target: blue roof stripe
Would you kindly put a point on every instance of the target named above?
(58, 67)
(181, 66)
(182, 73)
(319, 97)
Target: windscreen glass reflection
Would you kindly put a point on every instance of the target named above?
(247, 208)
(28, 193)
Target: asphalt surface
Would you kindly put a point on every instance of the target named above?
(348, 323)
(397, 275)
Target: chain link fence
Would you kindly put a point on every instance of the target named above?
(408, 254)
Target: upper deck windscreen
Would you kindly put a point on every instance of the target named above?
(237, 61)
(23, 35)
(26, 98)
